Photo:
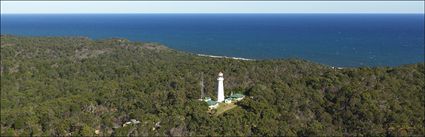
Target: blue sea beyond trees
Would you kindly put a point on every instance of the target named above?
(344, 40)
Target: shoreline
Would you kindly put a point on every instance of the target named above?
(236, 58)
(246, 59)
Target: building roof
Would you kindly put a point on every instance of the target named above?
(237, 95)
(211, 103)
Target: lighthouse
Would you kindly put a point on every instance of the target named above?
(220, 88)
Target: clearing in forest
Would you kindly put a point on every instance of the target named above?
(223, 108)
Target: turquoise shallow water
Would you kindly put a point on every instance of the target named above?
(344, 40)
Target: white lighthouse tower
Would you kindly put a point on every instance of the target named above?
(220, 88)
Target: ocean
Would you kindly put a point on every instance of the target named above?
(342, 40)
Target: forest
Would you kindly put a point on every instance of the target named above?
(76, 86)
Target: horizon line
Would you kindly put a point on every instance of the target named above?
(225, 13)
(212, 7)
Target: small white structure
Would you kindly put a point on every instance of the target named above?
(220, 88)
(212, 104)
(228, 100)
(132, 121)
(236, 97)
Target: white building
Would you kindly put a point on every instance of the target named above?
(220, 88)
(212, 104)
(220, 95)
(228, 100)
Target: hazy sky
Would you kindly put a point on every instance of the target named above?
(213, 7)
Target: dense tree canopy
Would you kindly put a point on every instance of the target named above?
(65, 86)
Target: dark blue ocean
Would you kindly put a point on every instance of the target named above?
(344, 40)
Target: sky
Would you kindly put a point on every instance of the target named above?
(25, 7)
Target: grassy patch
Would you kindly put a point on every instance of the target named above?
(223, 108)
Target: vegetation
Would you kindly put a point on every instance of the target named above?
(73, 86)
(223, 107)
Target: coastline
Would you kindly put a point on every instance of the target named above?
(236, 58)
(246, 59)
